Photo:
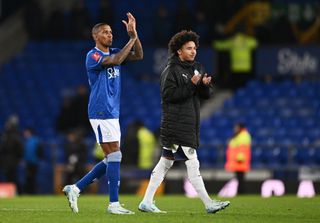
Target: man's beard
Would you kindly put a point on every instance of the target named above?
(107, 44)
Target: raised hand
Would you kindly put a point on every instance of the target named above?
(131, 26)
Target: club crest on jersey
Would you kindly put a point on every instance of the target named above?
(96, 56)
(112, 73)
(191, 151)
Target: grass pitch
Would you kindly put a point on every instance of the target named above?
(246, 209)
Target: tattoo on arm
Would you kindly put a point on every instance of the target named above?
(137, 53)
(118, 58)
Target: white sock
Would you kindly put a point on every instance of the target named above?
(115, 203)
(156, 178)
(196, 180)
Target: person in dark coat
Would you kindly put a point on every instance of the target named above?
(33, 153)
(183, 83)
(11, 150)
(76, 155)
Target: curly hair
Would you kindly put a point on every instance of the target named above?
(181, 38)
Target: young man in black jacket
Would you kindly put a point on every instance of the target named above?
(183, 83)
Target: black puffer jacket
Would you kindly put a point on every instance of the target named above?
(180, 99)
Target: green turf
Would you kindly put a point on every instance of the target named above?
(46, 209)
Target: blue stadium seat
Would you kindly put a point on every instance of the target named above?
(256, 157)
(317, 155)
(304, 156)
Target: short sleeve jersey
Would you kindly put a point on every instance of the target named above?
(104, 81)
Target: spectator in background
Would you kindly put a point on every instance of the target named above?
(131, 145)
(66, 119)
(11, 150)
(97, 153)
(73, 113)
(80, 106)
(76, 156)
(239, 154)
(147, 154)
(80, 23)
(240, 47)
(147, 146)
(141, 143)
(33, 152)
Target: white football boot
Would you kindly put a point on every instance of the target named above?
(72, 193)
(116, 208)
(215, 206)
(152, 208)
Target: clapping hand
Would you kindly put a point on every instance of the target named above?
(197, 77)
(206, 80)
(131, 26)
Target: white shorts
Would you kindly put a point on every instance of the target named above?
(180, 152)
(106, 130)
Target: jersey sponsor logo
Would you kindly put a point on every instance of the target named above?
(112, 73)
(96, 56)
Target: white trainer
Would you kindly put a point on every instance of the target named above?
(216, 206)
(152, 208)
(116, 208)
(72, 193)
(223, 204)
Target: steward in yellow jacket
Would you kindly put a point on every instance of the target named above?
(239, 150)
(239, 154)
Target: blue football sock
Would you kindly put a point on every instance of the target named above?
(96, 172)
(113, 175)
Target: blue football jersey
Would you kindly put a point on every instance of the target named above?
(104, 100)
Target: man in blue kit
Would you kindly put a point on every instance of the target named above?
(103, 69)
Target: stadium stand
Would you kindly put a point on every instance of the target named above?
(283, 116)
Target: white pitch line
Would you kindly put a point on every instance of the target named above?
(30, 209)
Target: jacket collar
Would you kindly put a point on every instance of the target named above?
(173, 59)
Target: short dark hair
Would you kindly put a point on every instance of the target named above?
(97, 27)
(181, 38)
